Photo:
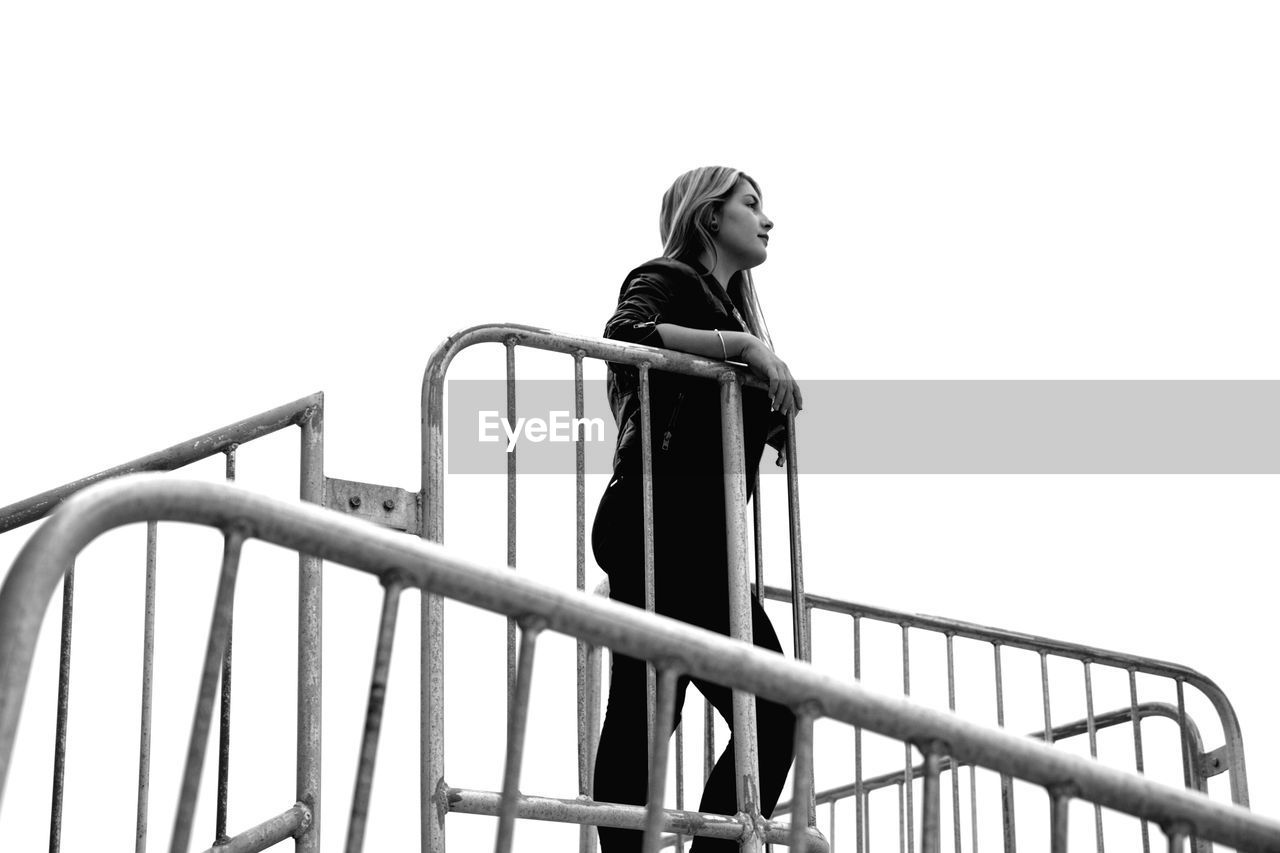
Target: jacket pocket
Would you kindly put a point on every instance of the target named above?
(671, 422)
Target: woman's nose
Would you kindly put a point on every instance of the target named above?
(768, 223)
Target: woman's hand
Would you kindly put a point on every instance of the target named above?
(784, 391)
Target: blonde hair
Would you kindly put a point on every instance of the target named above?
(684, 225)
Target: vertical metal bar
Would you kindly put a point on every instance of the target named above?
(310, 648)
(802, 793)
(903, 823)
(708, 741)
(909, 772)
(757, 529)
(1093, 747)
(511, 516)
(200, 725)
(148, 658)
(1137, 746)
(585, 831)
(1006, 784)
(658, 753)
(517, 719)
(1177, 841)
(931, 820)
(64, 707)
(373, 714)
(1044, 688)
(973, 806)
(594, 655)
(680, 780)
(955, 768)
(1187, 758)
(224, 715)
(1058, 806)
(858, 794)
(433, 802)
(746, 756)
(646, 484)
(799, 612)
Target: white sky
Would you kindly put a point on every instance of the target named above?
(206, 212)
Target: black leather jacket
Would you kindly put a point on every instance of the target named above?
(685, 410)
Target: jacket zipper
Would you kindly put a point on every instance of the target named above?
(675, 411)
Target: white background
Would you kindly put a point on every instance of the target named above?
(206, 211)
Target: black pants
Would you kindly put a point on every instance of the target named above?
(690, 584)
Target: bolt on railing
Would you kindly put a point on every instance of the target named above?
(674, 646)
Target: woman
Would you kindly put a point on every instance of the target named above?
(697, 298)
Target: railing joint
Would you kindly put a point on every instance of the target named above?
(532, 624)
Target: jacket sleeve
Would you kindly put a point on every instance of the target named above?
(777, 434)
(645, 301)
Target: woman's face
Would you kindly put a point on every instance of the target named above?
(742, 233)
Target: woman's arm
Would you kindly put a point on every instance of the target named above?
(784, 392)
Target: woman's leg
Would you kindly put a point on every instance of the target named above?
(775, 725)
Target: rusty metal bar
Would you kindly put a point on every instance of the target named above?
(903, 823)
(680, 779)
(1093, 748)
(511, 516)
(1044, 688)
(802, 791)
(931, 819)
(373, 713)
(646, 488)
(64, 708)
(701, 824)
(659, 750)
(218, 630)
(432, 790)
(706, 655)
(859, 795)
(1137, 747)
(310, 646)
(517, 723)
(973, 806)
(799, 611)
(906, 745)
(746, 756)
(955, 776)
(586, 836)
(183, 453)
(148, 658)
(757, 528)
(268, 833)
(224, 715)
(1058, 823)
(708, 741)
(1187, 757)
(1006, 784)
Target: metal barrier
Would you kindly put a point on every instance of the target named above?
(1197, 764)
(676, 648)
(306, 413)
(645, 359)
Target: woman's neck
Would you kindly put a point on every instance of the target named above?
(722, 271)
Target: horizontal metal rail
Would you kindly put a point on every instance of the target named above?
(1073, 729)
(27, 590)
(183, 453)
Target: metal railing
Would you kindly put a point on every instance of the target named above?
(676, 648)
(1197, 763)
(731, 380)
(307, 413)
